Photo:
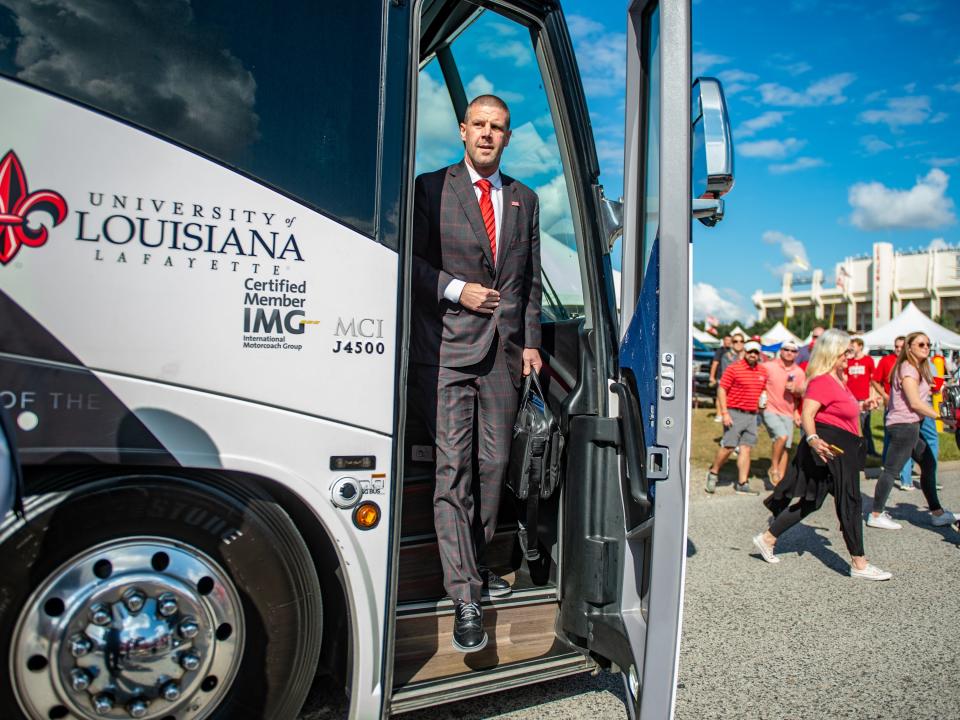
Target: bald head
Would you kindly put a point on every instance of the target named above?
(487, 100)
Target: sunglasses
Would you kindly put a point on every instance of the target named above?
(738, 342)
(753, 352)
(922, 345)
(787, 350)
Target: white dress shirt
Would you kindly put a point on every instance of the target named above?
(455, 287)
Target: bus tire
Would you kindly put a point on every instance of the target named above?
(196, 599)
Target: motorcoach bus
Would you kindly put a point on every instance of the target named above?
(205, 212)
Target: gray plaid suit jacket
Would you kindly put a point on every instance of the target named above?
(450, 241)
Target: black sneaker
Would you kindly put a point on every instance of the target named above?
(468, 633)
(744, 489)
(493, 584)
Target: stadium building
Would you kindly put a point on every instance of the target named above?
(871, 289)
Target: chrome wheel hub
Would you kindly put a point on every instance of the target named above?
(138, 628)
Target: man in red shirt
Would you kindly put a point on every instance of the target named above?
(738, 397)
(881, 374)
(860, 370)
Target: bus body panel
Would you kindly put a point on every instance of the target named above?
(180, 270)
(155, 305)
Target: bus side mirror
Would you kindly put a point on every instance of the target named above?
(712, 150)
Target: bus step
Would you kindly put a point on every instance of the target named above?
(518, 631)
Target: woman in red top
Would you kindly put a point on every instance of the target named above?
(827, 461)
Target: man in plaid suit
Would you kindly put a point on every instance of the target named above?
(475, 333)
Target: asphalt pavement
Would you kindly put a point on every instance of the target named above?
(800, 639)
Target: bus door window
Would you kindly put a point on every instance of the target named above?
(496, 55)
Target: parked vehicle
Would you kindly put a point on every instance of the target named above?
(204, 321)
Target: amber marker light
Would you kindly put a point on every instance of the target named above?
(366, 516)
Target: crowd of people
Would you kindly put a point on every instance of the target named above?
(829, 390)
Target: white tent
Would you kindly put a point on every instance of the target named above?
(738, 329)
(778, 334)
(911, 319)
(705, 337)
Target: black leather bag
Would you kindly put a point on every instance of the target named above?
(534, 469)
(536, 446)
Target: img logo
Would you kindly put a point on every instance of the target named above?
(16, 204)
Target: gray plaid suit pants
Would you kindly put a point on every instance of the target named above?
(463, 407)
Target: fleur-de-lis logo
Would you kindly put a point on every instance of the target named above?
(17, 202)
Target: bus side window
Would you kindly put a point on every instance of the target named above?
(277, 90)
(495, 55)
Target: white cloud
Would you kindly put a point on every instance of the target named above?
(749, 128)
(955, 87)
(187, 86)
(792, 249)
(874, 145)
(601, 55)
(939, 118)
(938, 244)
(555, 207)
(770, 148)
(801, 163)
(943, 161)
(925, 205)
(519, 52)
(438, 134)
(581, 27)
(735, 81)
(798, 68)
(529, 154)
(703, 61)
(481, 86)
(504, 29)
(735, 76)
(900, 111)
(911, 18)
(725, 303)
(828, 91)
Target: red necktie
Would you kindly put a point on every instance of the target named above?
(489, 220)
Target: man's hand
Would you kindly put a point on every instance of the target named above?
(531, 360)
(479, 299)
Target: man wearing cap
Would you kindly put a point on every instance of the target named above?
(738, 398)
(803, 356)
(785, 383)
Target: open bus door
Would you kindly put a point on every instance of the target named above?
(626, 511)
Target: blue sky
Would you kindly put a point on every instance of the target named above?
(847, 131)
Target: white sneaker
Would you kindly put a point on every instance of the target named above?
(946, 518)
(766, 552)
(906, 488)
(870, 572)
(718, 418)
(883, 520)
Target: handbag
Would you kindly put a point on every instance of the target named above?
(533, 472)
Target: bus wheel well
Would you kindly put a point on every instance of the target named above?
(334, 666)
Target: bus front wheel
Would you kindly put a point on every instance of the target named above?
(159, 597)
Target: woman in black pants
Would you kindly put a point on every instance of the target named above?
(829, 459)
(909, 404)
